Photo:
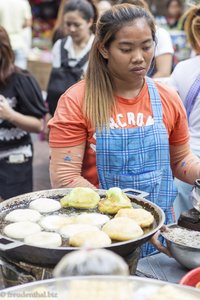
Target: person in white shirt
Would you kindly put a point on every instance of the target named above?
(15, 15)
(79, 19)
(186, 80)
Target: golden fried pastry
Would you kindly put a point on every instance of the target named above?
(90, 239)
(122, 229)
(141, 216)
(114, 201)
(81, 197)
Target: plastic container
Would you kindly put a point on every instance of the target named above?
(192, 278)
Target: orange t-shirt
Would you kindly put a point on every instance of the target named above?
(69, 128)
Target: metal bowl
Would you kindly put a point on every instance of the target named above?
(188, 257)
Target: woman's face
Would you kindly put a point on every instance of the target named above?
(77, 27)
(174, 9)
(129, 56)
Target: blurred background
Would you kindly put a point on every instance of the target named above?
(45, 14)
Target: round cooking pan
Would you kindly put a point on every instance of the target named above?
(49, 257)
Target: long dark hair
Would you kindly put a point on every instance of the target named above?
(6, 56)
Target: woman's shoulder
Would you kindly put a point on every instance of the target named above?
(75, 92)
(22, 73)
(188, 63)
(25, 79)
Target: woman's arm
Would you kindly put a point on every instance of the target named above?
(163, 65)
(66, 167)
(27, 123)
(185, 165)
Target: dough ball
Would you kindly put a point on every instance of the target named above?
(20, 230)
(22, 215)
(45, 205)
(44, 239)
(55, 222)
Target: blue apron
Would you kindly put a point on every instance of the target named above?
(139, 158)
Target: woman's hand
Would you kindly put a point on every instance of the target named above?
(27, 123)
(6, 111)
(157, 244)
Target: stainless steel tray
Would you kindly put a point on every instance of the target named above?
(141, 288)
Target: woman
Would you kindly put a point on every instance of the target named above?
(118, 127)
(59, 30)
(21, 111)
(72, 52)
(188, 87)
(174, 13)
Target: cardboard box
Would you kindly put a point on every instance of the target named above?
(41, 71)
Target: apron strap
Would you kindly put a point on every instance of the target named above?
(192, 95)
(155, 100)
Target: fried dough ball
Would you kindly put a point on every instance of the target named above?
(141, 216)
(114, 201)
(122, 229)
(81, 197)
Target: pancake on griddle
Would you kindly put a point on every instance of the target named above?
(90, 239)
(22, 215)
(45, 205)
(44, 239)
(55, 222)
(20, 230)
(95, 219)
(69, 230)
